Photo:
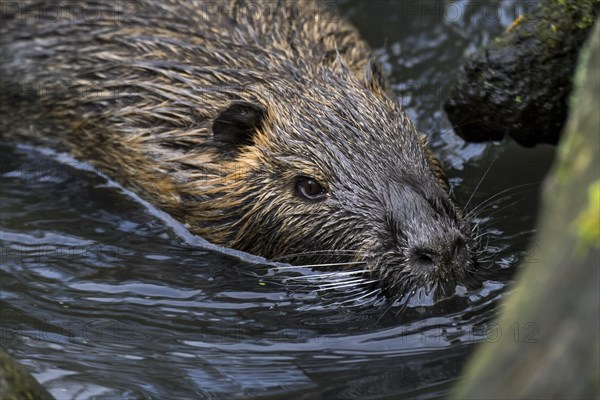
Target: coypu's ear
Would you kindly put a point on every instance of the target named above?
(375, 79)
(236, 125)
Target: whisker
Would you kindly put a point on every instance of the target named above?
(470, 213)
(505, 207)
(368, 294)
(385, 311)
(481, 180)
(322, 252)
(497, 203)
(328, 275)
(337, 285)
(366, 298)
(332, 278)
(292, 267)
(330, 264)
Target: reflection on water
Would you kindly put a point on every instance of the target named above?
(103, 296)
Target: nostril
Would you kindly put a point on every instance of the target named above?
(442, 253)
(457, 246)
(425, 258)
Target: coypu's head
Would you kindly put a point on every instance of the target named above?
(332, 171)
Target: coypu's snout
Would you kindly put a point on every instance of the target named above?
(429, 244)
(439, 253)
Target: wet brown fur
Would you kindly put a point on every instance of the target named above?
(137, 90)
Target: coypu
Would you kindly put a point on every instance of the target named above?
(263, 127)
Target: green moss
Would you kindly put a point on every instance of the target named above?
(559, 16)
(568, 156)
(587, 224)
(552, 20)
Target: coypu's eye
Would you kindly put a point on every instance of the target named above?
(309, 188)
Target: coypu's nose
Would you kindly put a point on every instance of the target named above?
(440, 253)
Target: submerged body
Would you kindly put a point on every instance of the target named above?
(264, 127)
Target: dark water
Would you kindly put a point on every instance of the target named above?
(104, 297)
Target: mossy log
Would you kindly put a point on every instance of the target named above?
(555, 305)
(16, 383)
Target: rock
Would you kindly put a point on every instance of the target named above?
(520, 83)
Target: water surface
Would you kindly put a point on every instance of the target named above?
(104, 297)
